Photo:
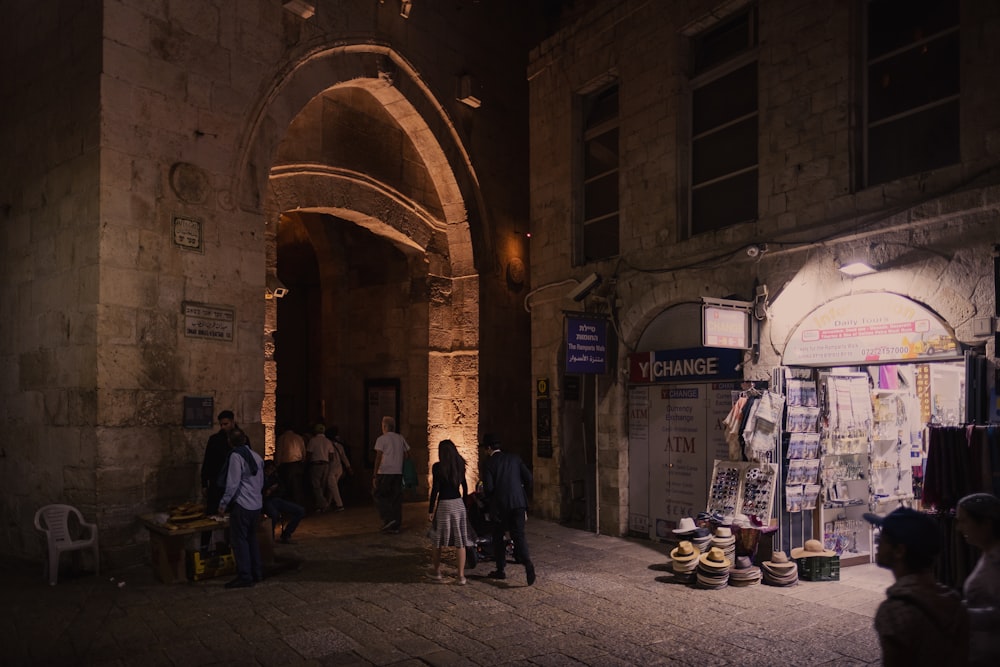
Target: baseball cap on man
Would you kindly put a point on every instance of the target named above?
(917, 531)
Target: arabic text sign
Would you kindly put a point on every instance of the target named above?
(211, 322)
(586, 345)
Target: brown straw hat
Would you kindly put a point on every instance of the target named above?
(684, 552)
(715, 558)
(811, 549)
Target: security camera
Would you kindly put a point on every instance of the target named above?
(274, 288)
(585, 287)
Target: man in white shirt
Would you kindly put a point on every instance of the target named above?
(318, 453)
(387, 484)
(244, 487)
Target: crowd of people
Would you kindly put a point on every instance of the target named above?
(238, 482)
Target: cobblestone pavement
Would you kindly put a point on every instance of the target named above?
(347, 594)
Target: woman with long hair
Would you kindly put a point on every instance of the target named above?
(447, 508)
(979, 521)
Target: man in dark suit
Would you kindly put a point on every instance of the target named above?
(505, 478)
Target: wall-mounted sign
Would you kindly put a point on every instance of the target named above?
(199, 411)
(542, 388)
(586, 345)
(187, 234)
(211, 322)
(725, 327)
(693, 364)
(871, 328)
(543, 427)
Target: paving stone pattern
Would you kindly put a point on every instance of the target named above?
(346, 594)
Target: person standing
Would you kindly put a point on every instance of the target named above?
(216, 453)
(387, 483)
(318, 453)
(244, 487)
(338, 464)
(979, 521)
(505, 479)
(290, 455)
(447, 508)
(921, 622)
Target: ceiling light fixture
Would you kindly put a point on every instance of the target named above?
(855, 269)
(300, 8)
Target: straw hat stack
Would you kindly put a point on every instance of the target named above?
(779, 571)
(684, 560)
(744, 573)
(725, 540)
(713, 569)
(688, 530)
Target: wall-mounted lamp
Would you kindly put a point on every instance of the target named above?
(300, 8)
(855, 269)
(468, 91)
(274, 288)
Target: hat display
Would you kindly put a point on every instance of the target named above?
(684, 560)
(715, 559)
(779, 571)
(685, 525)
(713, 569)
(744, 572)
(723, 532)
(812, 549)
(701, 542)
(911, 528)
(684, 552)
(779, 561)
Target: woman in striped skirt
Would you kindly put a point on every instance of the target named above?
(448, 492)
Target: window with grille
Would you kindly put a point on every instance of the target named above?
(723, 169)
(599, 231)
(912, 88)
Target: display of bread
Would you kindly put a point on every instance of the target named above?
(187, 512)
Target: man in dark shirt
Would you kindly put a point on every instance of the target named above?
(505, 478)
(216, 455)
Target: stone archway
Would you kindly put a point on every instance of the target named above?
(430, 224)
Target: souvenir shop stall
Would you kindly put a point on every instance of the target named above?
(803, 467)
(852, 440)
(731, 543)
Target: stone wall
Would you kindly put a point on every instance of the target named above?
(50, 278)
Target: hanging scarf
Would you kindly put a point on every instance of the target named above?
(244, 451)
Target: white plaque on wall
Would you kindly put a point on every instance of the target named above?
(187, 234)
(211, 322)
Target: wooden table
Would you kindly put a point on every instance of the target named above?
(167, 545)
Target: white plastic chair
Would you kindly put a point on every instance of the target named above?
(54, 521)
